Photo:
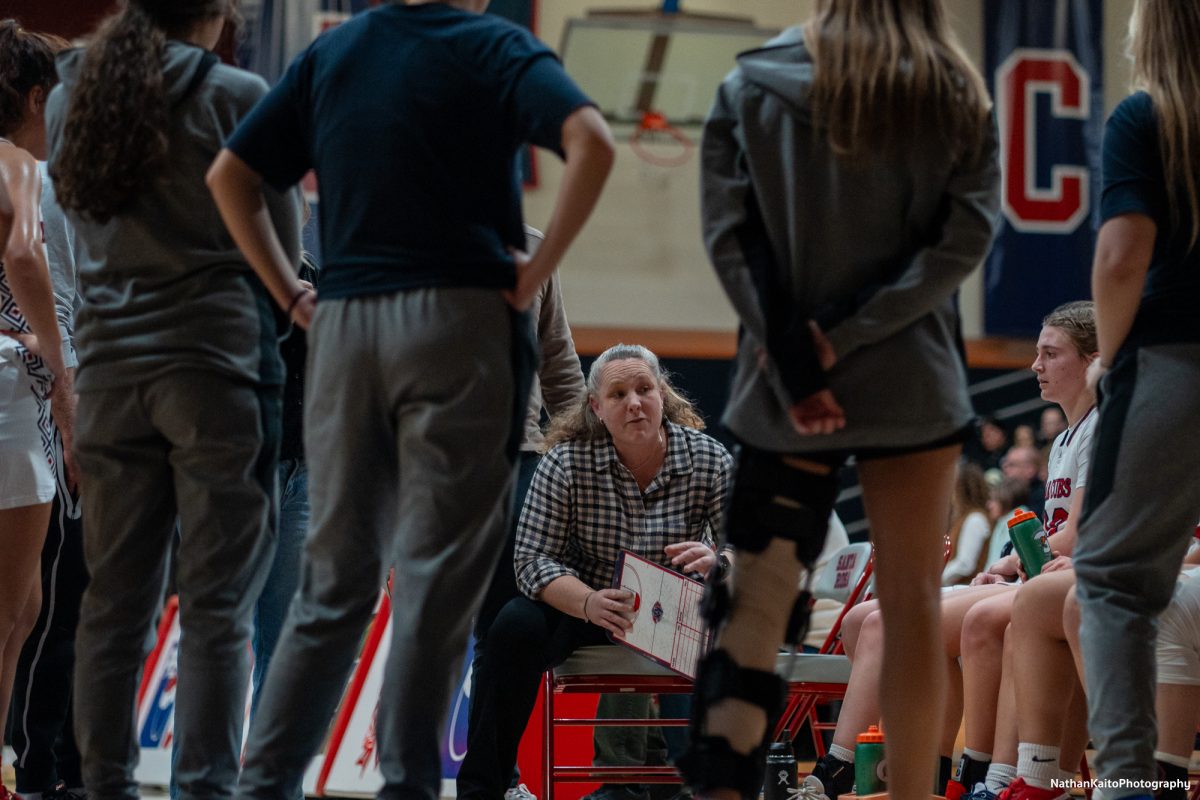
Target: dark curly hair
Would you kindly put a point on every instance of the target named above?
(115, 136)
(26, 63)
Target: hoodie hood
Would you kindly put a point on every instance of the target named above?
(782, 67)
(178, 68)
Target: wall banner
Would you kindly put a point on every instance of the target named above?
(1044, 64)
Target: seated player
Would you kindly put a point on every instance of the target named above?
(974, 619)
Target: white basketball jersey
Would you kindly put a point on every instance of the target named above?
(1068, 469)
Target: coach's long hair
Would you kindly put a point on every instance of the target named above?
(582, 423)
(886, 72)
(115, 136)
(1166, 64)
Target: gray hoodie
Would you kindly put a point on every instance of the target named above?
(164, 287)
(873, 248)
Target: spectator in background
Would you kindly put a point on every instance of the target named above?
(1053, 422)
(1006, 498)
(1023, 436)
(969, 527)
(988, 448)
(1025, 463)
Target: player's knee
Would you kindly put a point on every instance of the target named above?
(772, 500)
(852, 625)
(983, 628)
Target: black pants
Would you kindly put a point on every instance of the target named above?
(503, 586)
(526, 639)
(42, 725)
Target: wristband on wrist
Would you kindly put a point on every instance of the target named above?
(587, 597)
(296, 299)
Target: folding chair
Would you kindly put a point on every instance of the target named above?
(605, 669)
(821, 676)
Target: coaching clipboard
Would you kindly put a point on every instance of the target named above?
(667, 627)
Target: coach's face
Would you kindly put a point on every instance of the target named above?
(629, 401)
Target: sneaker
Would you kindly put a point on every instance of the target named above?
(61, 792)
(981, 792)
(618, 791)
(955, 790)
(832, 777)
(518, 792)
(1020, 790)
(810, 788)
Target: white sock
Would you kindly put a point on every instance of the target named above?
(841, 753)
(1037, 764)
(1167, 758)
(975, 755)
(999, 776)
(1066, 774)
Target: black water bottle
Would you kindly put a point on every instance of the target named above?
(781, 780)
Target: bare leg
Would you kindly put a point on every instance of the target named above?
(1043, 668)
(1004, 741)
(952, 719)
(1074, 740)
(861, 706)
(1178, 709)
(902, 495)
(852, 625)
(982, 665)
(1070, 624)
(20, 578)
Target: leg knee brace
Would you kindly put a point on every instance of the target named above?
(710, 762)
(771, 499)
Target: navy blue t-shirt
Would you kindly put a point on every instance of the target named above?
(1134, 183)
(412, 118)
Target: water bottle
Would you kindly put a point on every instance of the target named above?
(870, 768)
(781, 778)
(1030, 542)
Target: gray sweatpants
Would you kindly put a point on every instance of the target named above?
(205, 446)
(1141, 507)
(409, 413)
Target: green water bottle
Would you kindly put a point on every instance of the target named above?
(1029, 540)
(870, 768)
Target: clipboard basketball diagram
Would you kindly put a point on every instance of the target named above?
(668, 627)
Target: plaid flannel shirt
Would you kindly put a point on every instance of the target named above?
(584, 507)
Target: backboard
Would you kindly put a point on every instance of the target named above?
(637, 61)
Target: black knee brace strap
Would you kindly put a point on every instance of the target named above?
(710, 763)
(771, 499)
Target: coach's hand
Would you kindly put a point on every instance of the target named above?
(611, 609)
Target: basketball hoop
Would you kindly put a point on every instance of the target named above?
(657, 142)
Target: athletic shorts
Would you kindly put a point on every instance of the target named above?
(1178, 652)
(26, 477)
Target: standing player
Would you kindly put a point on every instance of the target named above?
(27, 315)
(1144, 496)
(841, 219)
(412, 116)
